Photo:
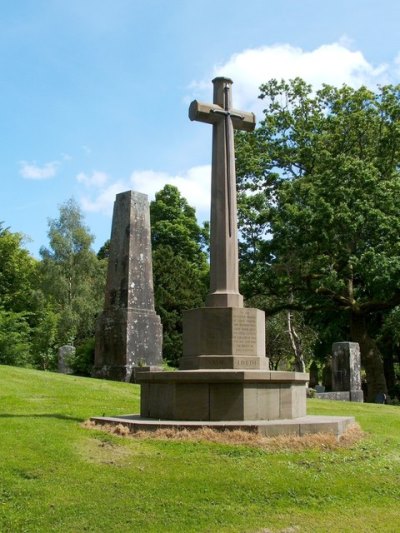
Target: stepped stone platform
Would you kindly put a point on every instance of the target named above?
(304, 425)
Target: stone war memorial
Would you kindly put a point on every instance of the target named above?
(128, 332)
(224, 381)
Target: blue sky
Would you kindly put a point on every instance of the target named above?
(94, 94)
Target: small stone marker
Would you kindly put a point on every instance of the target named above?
(346, 369)
(380, 398)
(64, 355)
(128, 333)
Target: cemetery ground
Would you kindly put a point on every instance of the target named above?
(58, 475)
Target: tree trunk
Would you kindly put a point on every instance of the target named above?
(390, 375)
(371, 357)
(295, 341)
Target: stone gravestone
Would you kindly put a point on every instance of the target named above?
(224, 373)
(346, 369)
(128, 332)
(64, 354)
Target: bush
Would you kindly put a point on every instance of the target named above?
(15, 347)
(82, 362)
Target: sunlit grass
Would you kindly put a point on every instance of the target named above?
(57, 475)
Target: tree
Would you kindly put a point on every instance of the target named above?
(17, 302)
(72, 276)
(174, 224)
(179, 265)
(325, 168)
(17, 272)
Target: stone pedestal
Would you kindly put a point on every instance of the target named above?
(224, 338)
(224, 374)
(222, 395)
(126, 339)
(128, 332)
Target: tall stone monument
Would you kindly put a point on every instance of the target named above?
(224, 373)
(128, 332)
(224, 381)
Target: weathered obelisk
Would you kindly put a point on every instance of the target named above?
(128, 332)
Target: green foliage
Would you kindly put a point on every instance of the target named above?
(17, 272)
(82, 362)
(179, 265)
(54, 471)
(326, 218)
(177, 286)
(15, 347)
(278, 346)
(174, 224)
(44, 338)
(72, 276)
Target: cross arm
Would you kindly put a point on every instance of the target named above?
(211, 114)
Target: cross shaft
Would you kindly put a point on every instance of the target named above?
(224, 261)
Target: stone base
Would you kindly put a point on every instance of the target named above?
(222, 395)
(126, 339)
(306, 425)
(228, 362)
(224, 338)
(341, 396)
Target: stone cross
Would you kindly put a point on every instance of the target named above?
(224, 262)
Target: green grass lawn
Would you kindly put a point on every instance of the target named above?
(56, 475)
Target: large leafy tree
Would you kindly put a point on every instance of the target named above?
(322, 222)
(17, 272)
(72, 275)
(179, 265)
(17, 298)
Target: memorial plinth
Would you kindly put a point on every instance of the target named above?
(224, 338)
(218, 395)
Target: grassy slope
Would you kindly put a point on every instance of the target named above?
(58, 476)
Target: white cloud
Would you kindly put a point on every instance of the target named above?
(193, 184)
(104, 200)
(32, 171)
(97, 179)
(333, 63)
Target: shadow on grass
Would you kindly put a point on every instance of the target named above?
(43, 415)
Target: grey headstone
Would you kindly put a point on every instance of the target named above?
(65, 353)
(346, 369)
(128, 332)
(380, 398)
